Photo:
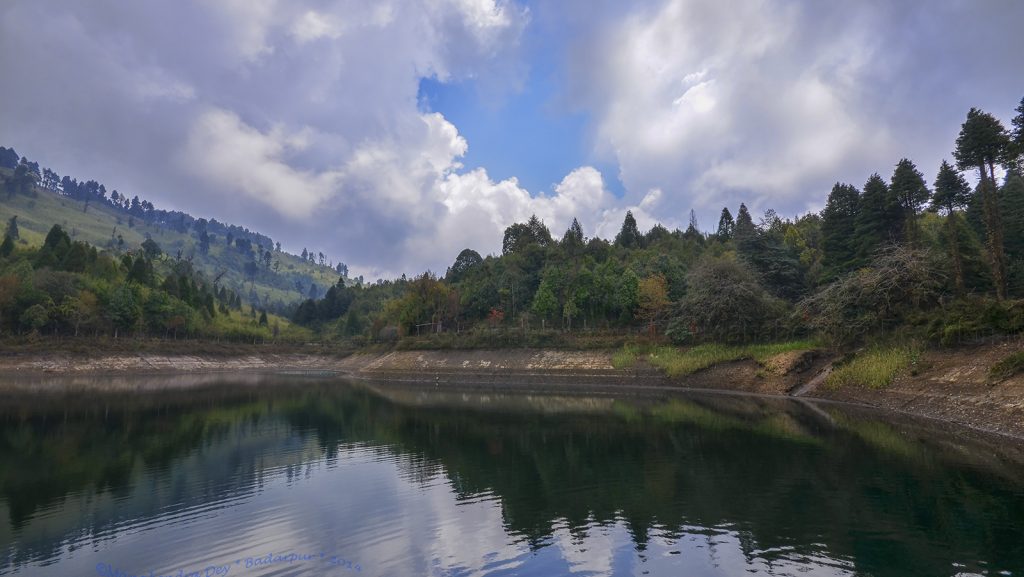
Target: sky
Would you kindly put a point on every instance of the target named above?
(392, 134)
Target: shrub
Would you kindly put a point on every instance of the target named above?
(877, 298)
(724, 303)
(875, 368)
(1007, 367)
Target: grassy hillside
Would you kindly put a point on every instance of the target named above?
(276, 287)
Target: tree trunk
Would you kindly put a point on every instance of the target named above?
(994, 229)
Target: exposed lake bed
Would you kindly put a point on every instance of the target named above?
(950, 385)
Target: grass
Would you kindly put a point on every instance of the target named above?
(678, 362)
(1007, 367)
(875, 368)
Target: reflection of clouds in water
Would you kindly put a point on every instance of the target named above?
(372, 507)
(591, 552)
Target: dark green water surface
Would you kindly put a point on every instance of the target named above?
(310, 477)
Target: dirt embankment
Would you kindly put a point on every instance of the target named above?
(950, 385)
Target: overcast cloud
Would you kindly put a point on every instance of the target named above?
(300, 118)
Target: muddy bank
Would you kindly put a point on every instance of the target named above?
(951, 385)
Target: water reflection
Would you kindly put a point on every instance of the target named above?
(294, 476)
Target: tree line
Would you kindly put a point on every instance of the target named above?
(68, 287)
(902, 250)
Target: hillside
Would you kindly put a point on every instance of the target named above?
(276, 284)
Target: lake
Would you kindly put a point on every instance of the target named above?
(299, 476)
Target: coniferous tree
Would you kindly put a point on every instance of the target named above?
(745, 230)
(952, 194)
(838, 230)
(12, 228)
(573, 239)
(1017, 138)
(1011, 200)
(725, 225)
(692, 232)
(876, 218)
(629, 236)
(7, 247)
(981, 144)
(910, 194)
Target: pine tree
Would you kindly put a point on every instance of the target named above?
(876, 218)
(629, 236)
(7, 247)
(1011, 200)
(1017, 138)
(573, 239)
(910, 193)
(12, 228)
(981, 144)
(952, 193)
(838, 230)
(725, 225)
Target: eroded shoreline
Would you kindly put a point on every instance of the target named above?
(952, 386)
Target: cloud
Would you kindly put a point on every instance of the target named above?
(770, 103)
(238, 159)
(302, 120)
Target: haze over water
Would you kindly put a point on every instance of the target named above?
(318, 477)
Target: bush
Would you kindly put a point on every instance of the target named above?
(875, 368)
(1007, 367)
(725, 303)
(874, 299)
(678, 362)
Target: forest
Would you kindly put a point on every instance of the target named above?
(927, 256)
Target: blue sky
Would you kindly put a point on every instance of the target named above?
(526, 135)
(393, 134)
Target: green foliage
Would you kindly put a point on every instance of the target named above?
(678, 362)
(874, 368)
(982, 141)
(724, 302)
(910, 194)
(12, 228)
(951, 189)
(839, 240)
(629, 235)
(1007, 367)
(973, 318)
(877, 218)
(726, 224)
(876, 298)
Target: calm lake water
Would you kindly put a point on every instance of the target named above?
(304, 477)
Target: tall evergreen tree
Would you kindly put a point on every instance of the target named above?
(725, 225)
(838, 230)
(981, 144)
(1017, 138)
(876, 219)
(745, 231)
(12, 228)
(629, 236)
(910, 194)
(952, 194)
(1011, 200)
(573, 239)
(7, 247)
(692, 232)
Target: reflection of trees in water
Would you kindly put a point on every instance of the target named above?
(780, 478)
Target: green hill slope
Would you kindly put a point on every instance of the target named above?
(277, 283)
